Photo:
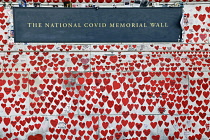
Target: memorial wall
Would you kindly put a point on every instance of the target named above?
(117, 90)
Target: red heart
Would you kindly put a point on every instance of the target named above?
(198, 8)
(116, 85)
(35, 137)
(146, 131)
(196, 27)
(54, 122)
(1, 8)
(202, 17)
(113, 59)
(1, 96)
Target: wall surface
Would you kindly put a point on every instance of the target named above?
(143, 91)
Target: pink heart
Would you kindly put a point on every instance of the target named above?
(85, 60)
(39, 92)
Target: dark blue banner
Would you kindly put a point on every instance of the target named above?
(75, 25)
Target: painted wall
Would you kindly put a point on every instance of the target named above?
(144, 91)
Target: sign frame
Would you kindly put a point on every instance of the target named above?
(46, 41)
